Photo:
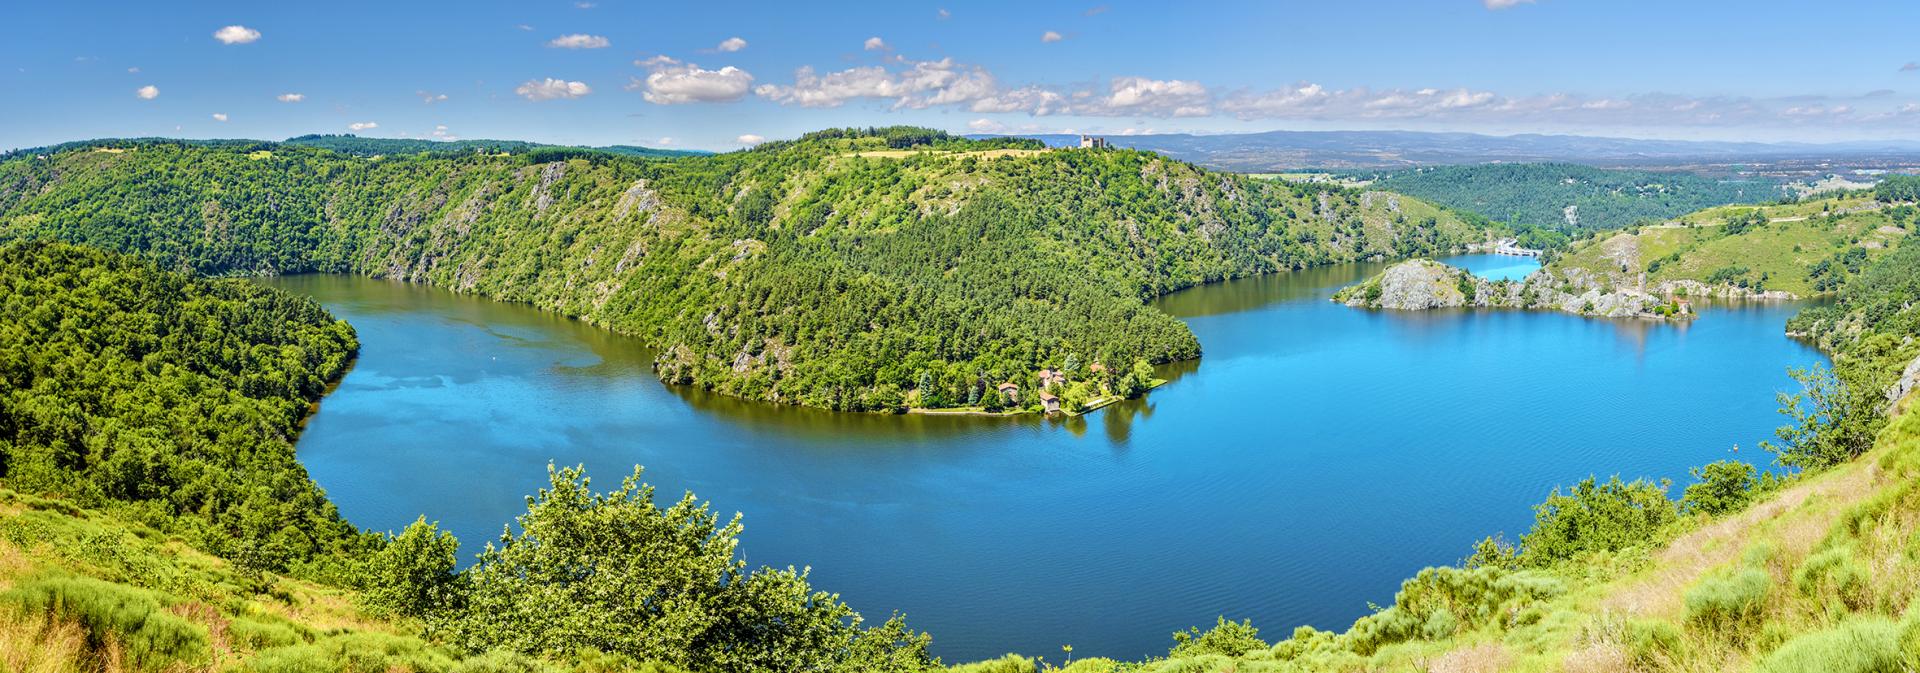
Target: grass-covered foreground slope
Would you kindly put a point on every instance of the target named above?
(1799, 249)
(851, 270)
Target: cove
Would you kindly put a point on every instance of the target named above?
(1313, 458)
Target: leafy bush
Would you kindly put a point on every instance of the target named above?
(1653, 642)
(1226, 637)
(1725, 486)
(135, 620)
(1440, 602)
(612, 572)
(1594, 517)
(413, 575)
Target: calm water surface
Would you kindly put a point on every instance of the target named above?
(1316, 455)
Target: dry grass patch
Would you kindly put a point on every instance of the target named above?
(1482, 658)
(1800, 516)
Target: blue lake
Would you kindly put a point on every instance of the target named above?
(1311, 460)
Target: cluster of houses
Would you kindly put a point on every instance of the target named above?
(1048, 379)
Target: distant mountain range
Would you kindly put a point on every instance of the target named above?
(1289, 150)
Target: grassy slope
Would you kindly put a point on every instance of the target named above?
(1798, 237)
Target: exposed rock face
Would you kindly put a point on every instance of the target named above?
(1909, 380)
(1419, 285)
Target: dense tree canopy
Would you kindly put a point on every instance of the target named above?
(170, 399)
(1570, 196)
(845, 270)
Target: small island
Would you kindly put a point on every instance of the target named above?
(1423, 284)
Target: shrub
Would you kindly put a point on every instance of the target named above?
(1833, 573)
(134, 619)
(1012, 663)
(1865, 646)
(265, 632)
(352, 653)
(1229, 638)
(1725, 486)
(1653, 642)
(413, 575)
(1596, 518)
(1730, 602)
(507, 662)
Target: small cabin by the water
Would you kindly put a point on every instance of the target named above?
(1050, 401)
(1052, 376)
(1011, 390)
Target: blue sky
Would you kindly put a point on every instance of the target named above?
(717, 75)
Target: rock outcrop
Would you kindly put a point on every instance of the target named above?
(1425, 284)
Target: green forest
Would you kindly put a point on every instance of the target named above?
(1540, 194)
(853, 269)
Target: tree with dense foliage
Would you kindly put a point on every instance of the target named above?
(1832, 422)
(614, 573)
(1723, 487)
(1595, 517)
(414, 574)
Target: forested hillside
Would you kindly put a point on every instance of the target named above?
(853, 269)
(1570, 196)
(351, 144)
(171, 400)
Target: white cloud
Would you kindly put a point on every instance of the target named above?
(291, 97)
(220, 116)
(732, 44)
(148, 92)
(1051, 36)
(523, 26)
(550, 89)
(985, 125)
(236, 35)
(1504, 4)
(749, 139)
(134, 70)
(362, 126)
(910, 84)
(1155, 97)
(429, 97)
(440, 133)
(664, 141)
(672, 82)
(584, 5)
(579, 41)
(875, 44)
(943, 14)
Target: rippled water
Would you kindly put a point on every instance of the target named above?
(1313, 458)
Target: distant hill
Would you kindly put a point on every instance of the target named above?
(1288, 150)
(351, 144)
(348, 143)
(1570, 196)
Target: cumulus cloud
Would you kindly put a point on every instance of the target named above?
(134, 70)
(429, 97)
(1051, 36)
(1159, 98)
(236, 35)
(875, 44)
(362, 126)
(907, 84)
(732, 44)
(579, 41)
(220, 116)
(671, 82)
(290, 97)
(1505, 4)
(440, 133)
(985, 125)
(749, 139)
(550, 89)
(943, 14)
(148, 92)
